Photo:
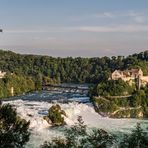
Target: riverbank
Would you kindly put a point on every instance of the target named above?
(118, 107)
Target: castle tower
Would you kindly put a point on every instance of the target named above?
(139, 82)
(12, 91)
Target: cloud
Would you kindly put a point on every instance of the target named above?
(23, 31)
(92, 16)
(138, 17)
(40, 30)
(104, 15)
(135, 16)
(116, 28)
(127, 28)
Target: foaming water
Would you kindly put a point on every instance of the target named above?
(41, 131)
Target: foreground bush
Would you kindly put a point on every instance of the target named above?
(13, 130)
(138, 139)
(78, 137)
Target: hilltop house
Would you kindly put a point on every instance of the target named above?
(2, 74)
(126, 74)
(130, 75)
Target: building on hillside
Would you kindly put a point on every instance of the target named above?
(2, 74)
(126, 74)
(130, 75)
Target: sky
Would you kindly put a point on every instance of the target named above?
(87, 28)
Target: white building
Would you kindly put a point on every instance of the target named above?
(130, 75)
(2, 74)
(126, 74)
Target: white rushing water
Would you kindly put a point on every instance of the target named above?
(41, 130)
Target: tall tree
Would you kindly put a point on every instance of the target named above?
(14, 131)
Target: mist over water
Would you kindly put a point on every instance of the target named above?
(35, 105)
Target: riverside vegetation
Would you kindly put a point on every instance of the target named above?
(20, 83)
(31, 71)
(66, 70)
(118, 99)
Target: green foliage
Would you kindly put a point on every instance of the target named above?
(78, 137)
(48, 80)
(138, 139)
(20, 83)
(137, 98)
(107, 98)
(78, 70)
(111, 95)
(112, 88)
(13, 130)
(55, 115)
(104, 105)
(128, 113)
(140, 98)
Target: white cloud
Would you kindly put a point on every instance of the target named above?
(104, 15)
(127, 28)
(92, 16)
(117, 28)
(135, 16)
(138, 17)
(133, 13)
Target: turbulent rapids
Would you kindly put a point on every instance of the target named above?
(34, 106)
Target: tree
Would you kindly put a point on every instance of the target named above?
(13, 130)
(138, 139)
(78, 137)
(55, 115)
(137, 97)
(112, 88)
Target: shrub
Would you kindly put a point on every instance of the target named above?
(13, 130)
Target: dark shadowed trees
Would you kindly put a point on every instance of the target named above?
(137, 139)
(14, 131)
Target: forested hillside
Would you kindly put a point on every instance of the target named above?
(20, 84)
(78, 70)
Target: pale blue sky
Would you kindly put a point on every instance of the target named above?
(74, 27)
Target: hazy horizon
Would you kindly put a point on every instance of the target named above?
(74, 28)
(64, 56)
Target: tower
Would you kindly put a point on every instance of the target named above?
(12, 91)
(139, 82)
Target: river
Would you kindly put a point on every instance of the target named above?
(35, 105)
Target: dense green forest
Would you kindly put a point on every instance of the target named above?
(77, 70)
(31, 71)
(20, 84)
(119, 99)
(113, 88)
